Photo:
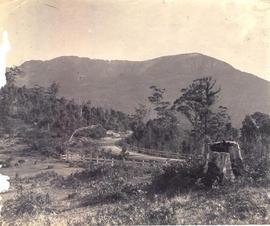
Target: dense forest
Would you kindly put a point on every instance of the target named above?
(51, 117)
(57, 117)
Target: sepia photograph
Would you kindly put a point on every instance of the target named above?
(134, 112)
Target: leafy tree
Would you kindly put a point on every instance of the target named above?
(11, 75)
(8, 99)
(220, 127)
(86, 112)
(165, 113)
(255, 139)
(250, 132)
(197, 104)
(140, 113)
(263, 122)
(160, 132)
(53, 89)
(160, 106)
(255, 132)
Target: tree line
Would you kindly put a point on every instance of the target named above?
(198, 103)
(41, 107)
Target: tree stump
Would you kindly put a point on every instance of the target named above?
(225, 158)
(218, 167)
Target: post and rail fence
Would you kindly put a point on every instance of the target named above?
(106, 161)
(109, 160)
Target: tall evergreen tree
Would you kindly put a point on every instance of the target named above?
(197, 103)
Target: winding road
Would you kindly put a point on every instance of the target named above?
(109, 144)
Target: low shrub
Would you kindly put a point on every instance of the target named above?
(101, 173)
(95, 132)
(41, 177)
(104, 194)
(117, 190)
(257, 171)
(177, 177)
(26, 204)
(44, 142)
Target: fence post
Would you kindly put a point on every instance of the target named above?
(143, 162)
(97, 159)
(133, 162)
(112, 162)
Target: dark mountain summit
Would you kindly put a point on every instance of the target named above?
(123, 84)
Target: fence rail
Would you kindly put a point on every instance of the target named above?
(157, 153)
(105, 161)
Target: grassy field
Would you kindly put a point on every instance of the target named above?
(46, 191)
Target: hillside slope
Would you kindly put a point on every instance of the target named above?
(123, 84)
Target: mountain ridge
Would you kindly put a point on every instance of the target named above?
(122, 84)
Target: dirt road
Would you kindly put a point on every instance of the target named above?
(109, 144)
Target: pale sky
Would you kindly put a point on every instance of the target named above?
(235, 31)
(4, 49)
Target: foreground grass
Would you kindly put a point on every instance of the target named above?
(246, 206)
(120, 195)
